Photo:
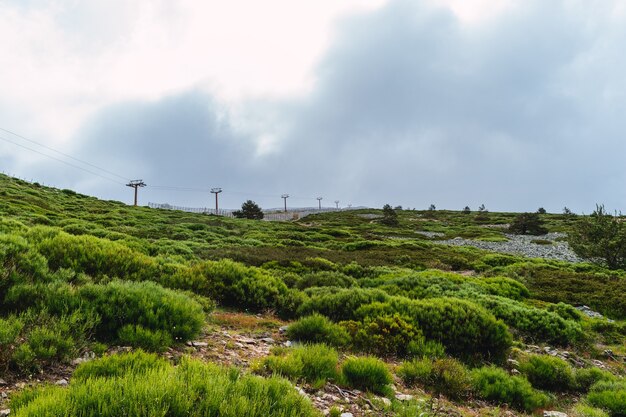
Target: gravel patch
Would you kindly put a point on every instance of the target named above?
(523, 245)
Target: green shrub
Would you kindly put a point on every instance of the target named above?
(465, 329)
(367, 373)
(566, 311)
(495, 384)
(422, 348)
(339, 304)
(137, 362)
(416, 371)
(142, 304)
(326, 279)
(586, 377)
(191, 389)
(231, 284)
(442, 376)
(314, 364)
(533, 323)
(382, 335)
(318, 329)
(528, 224)
(585, 410)
(506, 287)
(10, 329)
(138, 336)
(609, 395)
(548, 372)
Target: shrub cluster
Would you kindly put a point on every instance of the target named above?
(314, 364)
(135, 388)
(318, 329)
(442, 376)
(367, 373)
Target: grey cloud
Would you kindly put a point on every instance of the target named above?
(410, 107)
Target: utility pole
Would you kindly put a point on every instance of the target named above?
(319, 202)
(285, 197)
(136, 184)
(337, 203)
(216, 191)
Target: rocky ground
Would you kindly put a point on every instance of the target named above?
(544, 246)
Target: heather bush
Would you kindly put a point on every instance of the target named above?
(586, 377)
(339, 304)
(367, 373)
(609, 395)
(548, 372)
(111, 366)
(314, 364)
(326, 279)
(441, 376)
(463, 328)
(318, 329)
(192, 388)
(382, 335)
(496, 385)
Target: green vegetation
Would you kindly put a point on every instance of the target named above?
(528, 224)
(140, 386)
(367, 373)
(80, 275)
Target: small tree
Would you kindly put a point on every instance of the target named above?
(483, 214)
(467, 210)
(432, 207)
(541, 210)
(528, 224)
(249, 210)
(390, 217)
(601, 237)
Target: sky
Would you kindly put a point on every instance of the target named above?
(514, 104)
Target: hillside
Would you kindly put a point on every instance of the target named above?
(411, 319)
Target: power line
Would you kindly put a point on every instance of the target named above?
(62, 153)
(59, 160)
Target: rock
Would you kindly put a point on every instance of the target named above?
(20, 385)
(3, 382)
(199, 344)
(282, 329)
(62, 382)
(554, 414)
(5, 412)
(288, 343)
(512, 363)
(347, 415)
(3, 395)
(404, 397)
(301, 391)
(246, 340)
(386, 401)
(267, 340)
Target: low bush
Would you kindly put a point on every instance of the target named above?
(496, 385)
(326, 279)
(533, 323)
(192, 388)
(586, 377)
(318, 329)
(314, 364)
(610, 396)
(548, 372)
(339, 304)
(465, 329)
(585, 410)
(422, 348)
(442, 376)
(382, 335)
(111, 366)
(367, 373)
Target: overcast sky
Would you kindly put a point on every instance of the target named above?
(511, 104)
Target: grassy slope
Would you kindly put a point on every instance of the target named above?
(347, 243)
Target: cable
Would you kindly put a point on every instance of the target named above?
(59, 160)
(61, 153)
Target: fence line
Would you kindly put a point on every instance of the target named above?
(267, 215)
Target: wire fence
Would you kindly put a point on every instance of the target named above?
(267, 215)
